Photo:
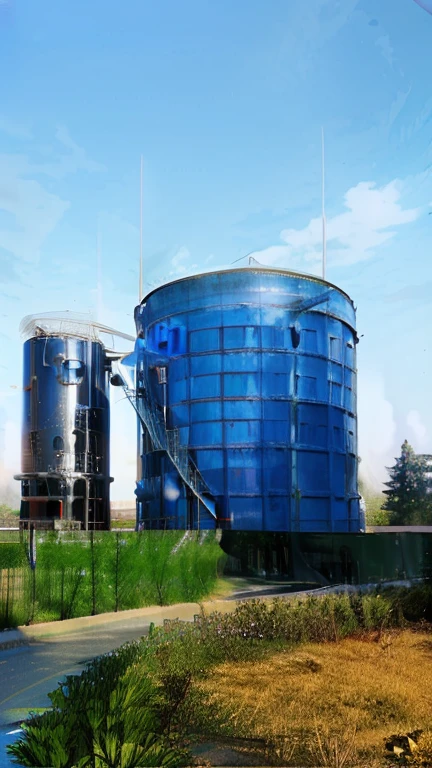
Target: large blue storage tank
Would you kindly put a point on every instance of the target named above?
(252, 372)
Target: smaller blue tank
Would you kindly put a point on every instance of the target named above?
(65, 440)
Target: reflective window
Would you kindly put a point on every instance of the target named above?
(72, 372)
(58, 443)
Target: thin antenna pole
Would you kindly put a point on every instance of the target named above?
(140, 289)
(324, 235)
(99, 274)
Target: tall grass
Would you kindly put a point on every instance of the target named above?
(82, 574)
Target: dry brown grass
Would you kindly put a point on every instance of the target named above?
(359, 690)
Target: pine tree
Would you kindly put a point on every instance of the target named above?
(408, 499)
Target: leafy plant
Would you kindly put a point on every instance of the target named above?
(101, 720)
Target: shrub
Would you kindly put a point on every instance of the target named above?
(377, 611)
(107, 716)
(314, 619)
(415, 603)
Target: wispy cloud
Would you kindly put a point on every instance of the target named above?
(318, 21)
(417, 293)
(418, 431)
(33, 211)
(397, 106)
(29, 211)
(13, 128)
(383, 43)
(377, 428)
(373, 213)
(77, 158)
(69, 158)
(181, 263)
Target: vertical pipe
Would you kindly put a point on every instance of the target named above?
(86, 504)
(87, 436)
(324, 235)
(140, 290)
(93, 574)
(99, 276)
(117, 572)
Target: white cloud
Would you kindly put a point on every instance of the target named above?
(76, 158)
(34, 212)
(12, 438)
(70, 159)
(419, 432)
(370, 220)
(377, 429)
(180, 263)
(123, 448)
(10, 448)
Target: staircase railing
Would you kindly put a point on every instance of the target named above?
(168, 440)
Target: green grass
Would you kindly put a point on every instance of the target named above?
(7, 512)
(375, 515)
(80, 574)
(123, 523)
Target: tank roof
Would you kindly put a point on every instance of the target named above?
(254, 268)
(75, 324)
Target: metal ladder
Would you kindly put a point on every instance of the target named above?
(168, 441)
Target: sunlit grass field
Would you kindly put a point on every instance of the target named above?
(359, 690)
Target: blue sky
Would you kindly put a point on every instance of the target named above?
(225, 100)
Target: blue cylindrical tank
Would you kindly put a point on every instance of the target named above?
(65, 433)
(253, 373)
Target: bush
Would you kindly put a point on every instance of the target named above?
(107, 716)
(378, 612)
(415, 603)
(314, 619)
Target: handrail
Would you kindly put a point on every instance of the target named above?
(162, 439)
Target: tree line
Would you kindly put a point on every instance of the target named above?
(409, 490)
